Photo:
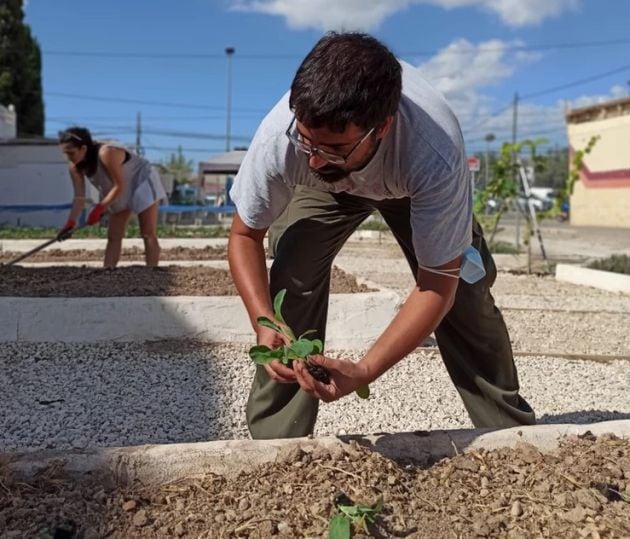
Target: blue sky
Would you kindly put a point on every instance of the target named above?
(103, 62)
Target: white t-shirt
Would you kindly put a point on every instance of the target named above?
(422, 157)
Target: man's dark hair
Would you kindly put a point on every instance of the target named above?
(347, 77)
(80, 136)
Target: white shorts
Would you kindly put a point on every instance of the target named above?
(147, 193)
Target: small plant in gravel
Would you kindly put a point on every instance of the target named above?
(352, 518)
(298, 349)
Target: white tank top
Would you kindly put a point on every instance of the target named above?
(135, 171)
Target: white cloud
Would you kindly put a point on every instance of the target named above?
(463, 66)
(326, 14)
(616, 92)
(462, 69)
(369, 14)
(534, 121)
(514, 12)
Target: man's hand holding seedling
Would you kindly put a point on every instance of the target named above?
(278, 372)
(345, 377)
(288, 358)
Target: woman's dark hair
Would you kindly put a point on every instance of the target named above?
(347, 77)
(77, 137)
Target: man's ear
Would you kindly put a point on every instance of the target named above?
(382, 131)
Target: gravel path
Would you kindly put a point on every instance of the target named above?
(76, 396)
(111, 394)
(543, 316)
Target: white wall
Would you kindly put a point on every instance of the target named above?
(33, 174)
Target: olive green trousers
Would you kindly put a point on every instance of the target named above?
(472, 338)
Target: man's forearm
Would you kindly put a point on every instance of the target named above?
(246, 257)
(419, 316)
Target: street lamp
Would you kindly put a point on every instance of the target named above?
(229, 51)
(488, 138)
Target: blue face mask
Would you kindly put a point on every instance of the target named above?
(471, 270)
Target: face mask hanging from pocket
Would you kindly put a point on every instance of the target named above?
(471, 269)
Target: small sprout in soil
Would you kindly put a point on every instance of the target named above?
(352, 517)
(612, 492)
(298, 349)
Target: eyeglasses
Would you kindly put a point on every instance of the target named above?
(309, 150)
(62, 134)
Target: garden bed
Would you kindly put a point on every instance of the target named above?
(133, 253)
(136, 303)
(578, 490)
(59, 281)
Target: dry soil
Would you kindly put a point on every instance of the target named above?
(581, 490)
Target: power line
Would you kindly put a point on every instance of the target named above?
(282, 56)
(143, 102)
(508, 129)
(184, 149)
(193, 135)
(488, 118)
(578, 82)
(164, 148)
(126, 130)
(171, 56)
(65, 119)
(548, 46)
(525, 134)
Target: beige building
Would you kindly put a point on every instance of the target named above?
(601, 197)
(216, 175)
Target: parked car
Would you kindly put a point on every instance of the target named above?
(539, 204)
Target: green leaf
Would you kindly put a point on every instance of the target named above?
(262, 354)
(339, 528)
(309, 332)
(350, 510)
(265, 322)
(318, 346)
(259, 354)
(303, 347)
(277, 305)
(363, 391)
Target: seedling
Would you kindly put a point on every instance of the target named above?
(353, 518)
(298, 349)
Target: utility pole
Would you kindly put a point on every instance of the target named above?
(139, 150)
(514, 135)
(230, 52)
(488, 138)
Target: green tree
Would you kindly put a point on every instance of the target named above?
(180, 167)
(504, 184)
(556, 163)
(20, 70)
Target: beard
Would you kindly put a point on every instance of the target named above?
(332, 174)
(329, 174)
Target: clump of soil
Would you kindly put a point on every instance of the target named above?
(57, 281)
(134, 253)
(518, 492)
